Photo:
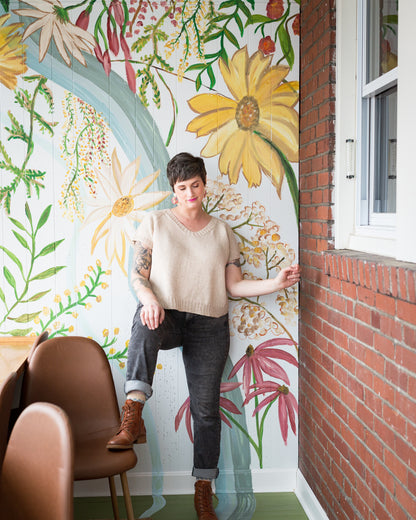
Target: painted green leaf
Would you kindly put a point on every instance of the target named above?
(25, 318)
(9, 277)
(50, 248)
(5, 4)
(259, 18)
(17, 223)
(28, 213)
(286, 45)
(239, 22)
(44, 217)
(2, 297)
(13, 257)
(211, 76)
(230, 36)
(228, 3)
(21, 240)
(19, 332)
(36, 296)
(196, 66)
(213, 36)
(48, 273)
(391, 18)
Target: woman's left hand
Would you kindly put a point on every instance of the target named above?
(288, 276)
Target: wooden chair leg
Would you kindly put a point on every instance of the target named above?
(114, 502)
(127, 497)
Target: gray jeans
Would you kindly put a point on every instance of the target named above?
(205, 343)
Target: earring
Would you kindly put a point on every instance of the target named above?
(174, 199)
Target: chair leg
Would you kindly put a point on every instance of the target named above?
(127, 497)
(114, 502)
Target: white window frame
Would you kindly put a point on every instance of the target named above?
(366, 101)
(393, 239)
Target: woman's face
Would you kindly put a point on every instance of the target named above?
(190, 193)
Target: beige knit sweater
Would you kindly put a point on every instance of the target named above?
(188, 267)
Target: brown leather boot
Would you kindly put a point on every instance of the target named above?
(203, 500)
(132, 429)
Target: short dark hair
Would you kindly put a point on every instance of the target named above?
(184, 166)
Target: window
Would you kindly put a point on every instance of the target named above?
(375, 181)
(377, 112)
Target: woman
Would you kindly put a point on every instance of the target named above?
(185, 263)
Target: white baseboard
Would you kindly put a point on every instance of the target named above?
(182, 483)
(308, 500)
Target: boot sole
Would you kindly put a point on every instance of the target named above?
(119, 447)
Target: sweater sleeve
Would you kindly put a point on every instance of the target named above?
(144, 233)
(234, 246)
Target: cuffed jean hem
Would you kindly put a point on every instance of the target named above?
(140, 386)
(207, 474)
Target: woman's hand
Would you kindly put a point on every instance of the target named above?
(152, 315)
(288, 276)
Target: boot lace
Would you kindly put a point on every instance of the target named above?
(128, 418)
(203, 497)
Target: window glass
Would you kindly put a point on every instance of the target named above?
(384, 200)
(382, 37)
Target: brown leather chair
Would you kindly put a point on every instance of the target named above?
(7, 389)
(37, 477)
(73, 372)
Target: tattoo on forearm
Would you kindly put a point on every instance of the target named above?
(235, 262)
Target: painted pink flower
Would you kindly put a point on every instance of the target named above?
(275, 9)
(118, 10)
(83, 20)
(258, 360)
(225, 403)
(288, 406)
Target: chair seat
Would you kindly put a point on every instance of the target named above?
(93, 460)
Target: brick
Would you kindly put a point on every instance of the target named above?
(406, 311)
(366, 296)
(396, 466)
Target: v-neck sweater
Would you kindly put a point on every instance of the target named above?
(188, 267)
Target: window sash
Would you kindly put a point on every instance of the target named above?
(366, 125)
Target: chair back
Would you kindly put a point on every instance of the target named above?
(38, 340)
(37, 477)
(73, 372)
(7, 389)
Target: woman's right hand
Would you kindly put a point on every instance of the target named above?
(152, 315)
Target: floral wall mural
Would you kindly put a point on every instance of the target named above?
(95, 97)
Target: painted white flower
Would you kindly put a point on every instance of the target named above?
(53, 20)
(123, 203)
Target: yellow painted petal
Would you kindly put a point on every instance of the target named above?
(269, 161)
(235, 74)
(218, 138)
(251, 163)
(283, 132)
(257, 68)
(270, 81)
(207, 102)
(95, 237)
(211, 121)
(116, 170)
(230, 162)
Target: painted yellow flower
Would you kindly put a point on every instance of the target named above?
(53, 20)
(253, 129)
(123, 204)
(12, 53)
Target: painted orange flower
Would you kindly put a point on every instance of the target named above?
(258, 130)
(12, 53)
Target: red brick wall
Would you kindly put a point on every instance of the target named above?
(357, 329)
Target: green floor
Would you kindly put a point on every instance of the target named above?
(269, 506)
